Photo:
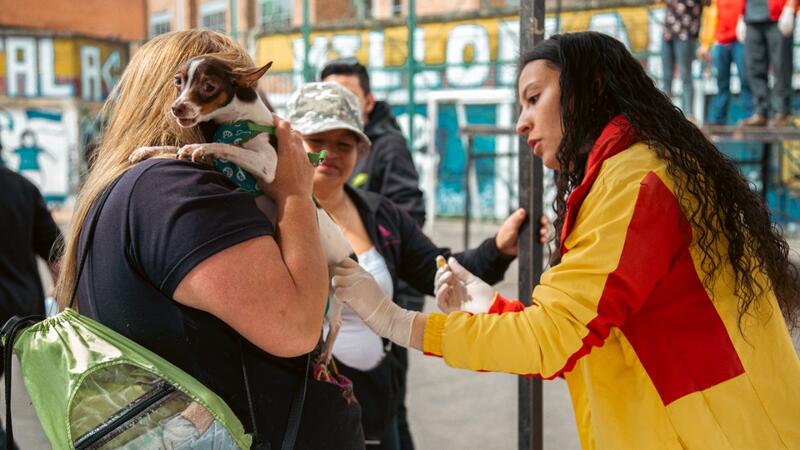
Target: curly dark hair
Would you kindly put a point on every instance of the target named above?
(599, 80)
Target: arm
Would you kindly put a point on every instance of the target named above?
(598, 285)
(708, 29)
(489, 261)
(250, 287)
(271, 292)
(486, 261)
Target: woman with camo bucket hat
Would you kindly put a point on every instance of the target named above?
(388, 242)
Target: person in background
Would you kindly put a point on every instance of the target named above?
(27, 230)
(681, 28)
(389, 245)
(769, 40)
(669, 311)
(720, 47)
(386, 169)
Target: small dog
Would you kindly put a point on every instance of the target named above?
(212, 92)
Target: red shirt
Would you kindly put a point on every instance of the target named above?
(728, 12)
(775, 8)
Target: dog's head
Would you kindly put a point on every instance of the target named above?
(208, 86)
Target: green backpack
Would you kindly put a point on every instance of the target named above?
(93, 388)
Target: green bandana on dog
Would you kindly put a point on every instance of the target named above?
(237, 133)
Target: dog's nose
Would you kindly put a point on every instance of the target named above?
(179, 109)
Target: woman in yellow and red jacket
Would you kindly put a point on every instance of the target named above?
(664, 313)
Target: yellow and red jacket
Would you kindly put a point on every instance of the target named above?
(653, 358)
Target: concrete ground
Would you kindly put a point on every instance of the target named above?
(448, 408)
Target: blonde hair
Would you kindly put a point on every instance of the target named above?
(138, 113)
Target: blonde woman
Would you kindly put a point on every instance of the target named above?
(184, 263)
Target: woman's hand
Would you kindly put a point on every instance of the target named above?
(457, 289)
(449, 292)
(355, 287)
(507, 236)
(295, 173)
(786, 20)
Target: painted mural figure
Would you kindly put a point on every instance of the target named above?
(28, 153)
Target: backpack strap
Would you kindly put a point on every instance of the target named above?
(295, 410)
(89, 238)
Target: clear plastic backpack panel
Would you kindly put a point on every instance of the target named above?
(122, 406)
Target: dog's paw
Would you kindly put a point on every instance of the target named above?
(143, 153)
(334, 244)
(195, 153)
(333, 332)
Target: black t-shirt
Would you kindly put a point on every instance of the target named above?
(26, 230)
(162, 219)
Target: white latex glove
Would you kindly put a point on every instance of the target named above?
(741, 30)
(786, 21)
(448, 290)
(457, 289)
(356, 287)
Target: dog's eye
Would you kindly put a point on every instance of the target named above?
(178, 80)
(209, 88)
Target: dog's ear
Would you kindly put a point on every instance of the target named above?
(249, 77)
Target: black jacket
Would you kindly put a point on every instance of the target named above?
(388, 168)
(26, 230)
(410, 255)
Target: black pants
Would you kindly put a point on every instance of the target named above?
(765, 46)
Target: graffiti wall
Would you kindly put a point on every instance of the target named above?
(45, 67)
(465, 74)
(49, 87)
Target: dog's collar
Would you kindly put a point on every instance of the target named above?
(237, 133)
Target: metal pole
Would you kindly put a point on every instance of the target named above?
(234, 19)
(467, 197)
(558, 16)
(531, 32)
(307, 75)
(766, 162)
(411, 69)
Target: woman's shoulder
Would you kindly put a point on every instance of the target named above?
(169, 167)
(162, 175)
(631, 166)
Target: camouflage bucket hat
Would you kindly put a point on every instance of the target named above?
(324, 106)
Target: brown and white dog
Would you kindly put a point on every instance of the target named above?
(212, 92)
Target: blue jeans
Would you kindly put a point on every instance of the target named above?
(681, 53)
(722, 56)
